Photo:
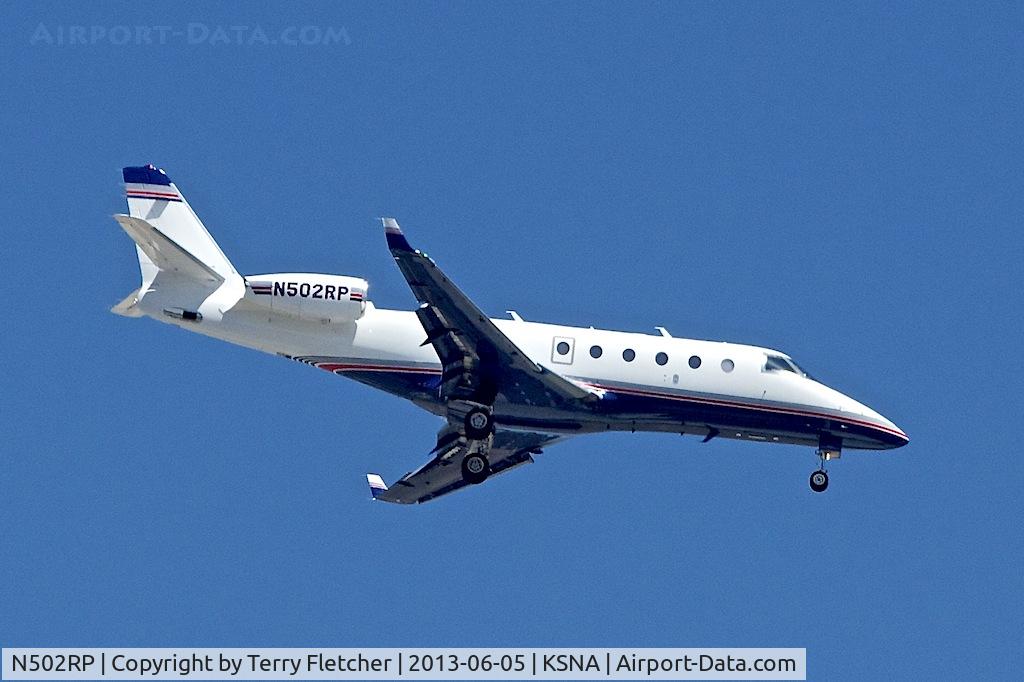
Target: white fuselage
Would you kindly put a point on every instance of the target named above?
(500, 407)
(729, 393)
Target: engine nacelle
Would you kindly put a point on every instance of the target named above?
(308, 295)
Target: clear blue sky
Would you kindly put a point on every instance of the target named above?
(843, 183)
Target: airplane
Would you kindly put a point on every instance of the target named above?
(505, 388)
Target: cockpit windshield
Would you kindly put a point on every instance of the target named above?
(779, 363)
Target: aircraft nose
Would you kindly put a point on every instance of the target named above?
(889, 434)
(899, 438)
(881, 430)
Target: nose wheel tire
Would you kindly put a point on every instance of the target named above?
(479, 423)
(475, 468)
(819, 481)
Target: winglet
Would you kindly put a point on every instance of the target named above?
(393, 233)
(377, 486)
(128, 307)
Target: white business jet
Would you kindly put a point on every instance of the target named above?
(505, 388)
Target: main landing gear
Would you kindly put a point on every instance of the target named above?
(478, 428)
(479, 423)
(475, 468)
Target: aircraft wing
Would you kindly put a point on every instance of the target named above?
(468, 343)
(443, 473)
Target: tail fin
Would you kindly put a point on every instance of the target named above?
(173, 246)
(154, 198)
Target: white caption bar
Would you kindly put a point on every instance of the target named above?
(400, 664)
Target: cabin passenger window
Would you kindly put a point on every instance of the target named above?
(728, 365)
(595, 352)
(562, 348)
(694, 362)
(629, 355)
(661, 358)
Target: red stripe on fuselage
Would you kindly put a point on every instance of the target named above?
(345, 367)
(748, 406)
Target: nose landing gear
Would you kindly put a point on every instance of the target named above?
(819, 481)
(829, 447)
